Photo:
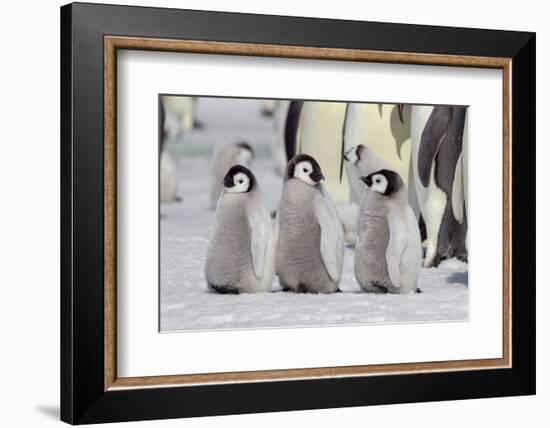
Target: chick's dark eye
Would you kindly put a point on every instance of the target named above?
(377, 180)
(240, 182)
(304, 169)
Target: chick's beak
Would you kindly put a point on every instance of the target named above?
(317, 176)
(367, 180)
(228, 181)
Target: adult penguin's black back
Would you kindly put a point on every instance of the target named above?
(291, 127)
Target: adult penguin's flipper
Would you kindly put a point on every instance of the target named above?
(432, 137)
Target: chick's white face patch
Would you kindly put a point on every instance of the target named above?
(302, 171)
(241, 183)
(379, 183)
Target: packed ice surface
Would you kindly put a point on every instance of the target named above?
(185, 227)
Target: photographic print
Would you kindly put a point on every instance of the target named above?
(296, 213)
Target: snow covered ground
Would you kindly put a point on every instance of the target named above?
(185, 303)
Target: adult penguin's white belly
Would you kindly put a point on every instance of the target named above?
(321, 137)
(380, 128)
(278, 144)
(168, 179)
(184, 107)
(465, 143)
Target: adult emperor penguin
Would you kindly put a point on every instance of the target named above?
(437, 140)
(310, 251)
(465, 174)
(168, 181)
(386, 130)
(241, 253)
(388, 252)
(223, 158)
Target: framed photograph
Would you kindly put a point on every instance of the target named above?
(267, 213)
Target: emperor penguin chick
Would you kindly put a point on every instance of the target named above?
(388, 251)
(224, 157)
(241, 252)
(310, 249)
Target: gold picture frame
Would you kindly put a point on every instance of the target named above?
(114, 43)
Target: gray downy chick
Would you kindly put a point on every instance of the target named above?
(241, 253)
(311, 238)
(388, 251)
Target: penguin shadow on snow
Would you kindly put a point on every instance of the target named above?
(458, 277)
